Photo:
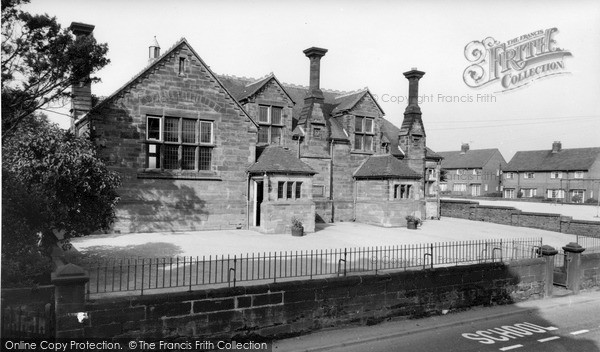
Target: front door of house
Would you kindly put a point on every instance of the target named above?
(475, 190)
(258, 198)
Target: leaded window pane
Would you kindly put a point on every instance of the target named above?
(171, 156)
(188, 157)
(204, 158)
(188, 132)
(171, 129)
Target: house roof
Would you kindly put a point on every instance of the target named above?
(390, 131)
(472, 159)
(157, 62)
(430, 154)
(277, 159)
(573, 159)
(348, 101)
(385, 166)
(243, 88)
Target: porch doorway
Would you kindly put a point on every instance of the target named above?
(258, 199)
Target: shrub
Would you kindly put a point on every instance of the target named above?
(591, 201)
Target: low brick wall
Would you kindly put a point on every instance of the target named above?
(580, 227)
(590, 270)
(291, 308)
(471, 210)
(499, 215)
(457, 208)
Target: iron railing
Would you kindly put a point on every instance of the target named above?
(591, 243)
(142, 274)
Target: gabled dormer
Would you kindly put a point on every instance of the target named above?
(360, 115)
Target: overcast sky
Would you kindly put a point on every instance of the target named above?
(370, 44)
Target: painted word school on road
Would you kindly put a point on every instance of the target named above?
(507, 333)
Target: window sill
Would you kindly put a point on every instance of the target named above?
(362, 152)
(177, 175)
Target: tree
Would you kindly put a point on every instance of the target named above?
(40, 61)
(52, 180)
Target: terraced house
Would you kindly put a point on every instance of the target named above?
(472, 172)
(570, 175)
(198, 150)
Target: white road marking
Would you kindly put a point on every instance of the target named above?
(551, 328)
(510, 347)
(579, 332)
(549, 339)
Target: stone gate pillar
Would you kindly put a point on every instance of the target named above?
(548, 252)
(573, 251)
(69, 282)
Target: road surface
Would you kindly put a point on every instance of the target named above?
(563, 324)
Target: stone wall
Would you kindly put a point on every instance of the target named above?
(511, 216)
(590, 270)
(276, 216)
(291, 308)
(388, 213)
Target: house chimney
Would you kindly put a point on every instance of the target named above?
(464, 148)
(81, 100)
(315, 54)
(153, 51)
(413, 77)
(556, 146)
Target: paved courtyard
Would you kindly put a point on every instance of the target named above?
(327, 236)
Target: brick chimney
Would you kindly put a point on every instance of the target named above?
(413, 77)
(412, 136)
(153, 50)
(464, 148)
(556, 146)
(315, 54)
(81, 100)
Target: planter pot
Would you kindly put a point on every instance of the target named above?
(412, 225)
(297, 231)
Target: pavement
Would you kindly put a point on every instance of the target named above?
(361, 337)
(326, 236)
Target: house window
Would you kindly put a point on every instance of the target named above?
(577, 195)
(477, 172)
(459, 187)
(363, 133)
(578, 174)
(529, 192)
(555, 193)
(485, 188)
(175, 143)
(509, 193)
(510, 175)
(443, 187)
(460, 171)
(431, 174)
(181, 65)
(476, 190)
(318, 191)
(402, 191)
(556, 174)
(271, 124)
(529, 175)
(289, 190)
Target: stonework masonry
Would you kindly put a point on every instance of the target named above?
(291, 308)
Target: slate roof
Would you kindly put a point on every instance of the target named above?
(573, 159)
(385, 166)
(242, 88)
(277, 159)
(472, 159)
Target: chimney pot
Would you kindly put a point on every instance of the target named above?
(464, 148)
(556, 146)
(315, 54)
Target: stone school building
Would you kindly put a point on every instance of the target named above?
(202, 151)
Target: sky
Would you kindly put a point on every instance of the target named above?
(370, 44)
